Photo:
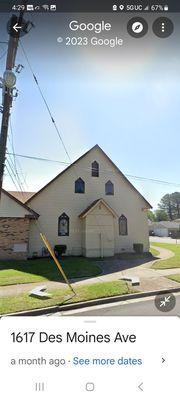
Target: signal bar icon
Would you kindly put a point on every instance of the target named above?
(147, 8)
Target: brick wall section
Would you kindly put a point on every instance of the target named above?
(13, 231)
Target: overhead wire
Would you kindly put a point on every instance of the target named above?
(12, 165)
(45, 101)
(50, 114)
(16, 161)
(141, 178)
(19, 186)
(14, 174)
(56, 128)
(40, 159)
(58, 131)
(10, 175)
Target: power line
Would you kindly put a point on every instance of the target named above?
(15, 176)
(153, 180)
(45, 102)
(9, 173)
(16, 180)
(51, 116)
(40, 159)
(141, 178)
(59, 135)
(14, 157)
(12, 164)
(55, 125)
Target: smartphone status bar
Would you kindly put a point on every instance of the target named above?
(90, 6)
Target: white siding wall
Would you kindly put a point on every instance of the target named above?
(9, 208)
(59, 197)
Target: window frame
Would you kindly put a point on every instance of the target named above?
(63, 216)
(123, 219)
(82, 182)
(111, 193)
(95, 169)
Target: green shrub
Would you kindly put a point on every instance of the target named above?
(60, 249)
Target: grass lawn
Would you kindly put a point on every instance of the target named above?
(175, 277)
(29, 271)
(84, 292)
(173, 262)
(155, 253)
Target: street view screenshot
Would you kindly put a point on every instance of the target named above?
(89, 199)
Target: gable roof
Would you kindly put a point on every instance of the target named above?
(22, 196)
(93, 205)
(35, 215)
(148, 205)
(165, 224)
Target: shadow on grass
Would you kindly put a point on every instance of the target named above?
(75, 268)
(45, 269)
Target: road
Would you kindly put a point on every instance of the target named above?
(136, 307)
(164, 240)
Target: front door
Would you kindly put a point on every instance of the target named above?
(100, 234)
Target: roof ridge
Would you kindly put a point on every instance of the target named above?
(78, 159)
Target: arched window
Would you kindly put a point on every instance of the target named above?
(79, 186)
(123, 229)
(63, 225)
(95, 169)
(109, 188)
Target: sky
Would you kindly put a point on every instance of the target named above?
(124, 99)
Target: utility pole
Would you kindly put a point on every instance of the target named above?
(14, 34)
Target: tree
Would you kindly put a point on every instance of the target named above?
(161, 215)
(151, 216)
(170, 203)
(175, 198)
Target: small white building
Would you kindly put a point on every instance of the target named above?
(164, 228)
(90, 207)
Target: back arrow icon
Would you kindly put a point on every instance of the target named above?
(141, 387)
(16, 27)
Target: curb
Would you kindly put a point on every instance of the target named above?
(89, 303)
